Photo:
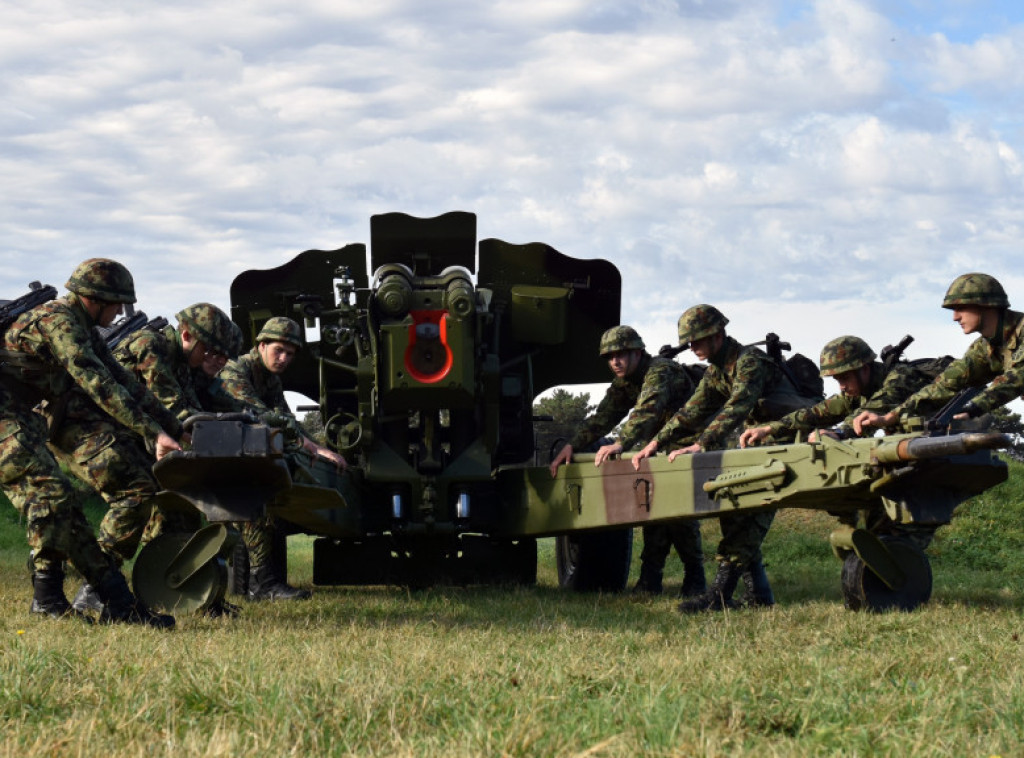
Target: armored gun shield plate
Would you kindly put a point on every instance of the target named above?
(164, 582)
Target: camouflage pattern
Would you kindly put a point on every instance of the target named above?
(881, 393)
(56, 527)
(248, 382)
(996, 364)
(845, 354)
(102, 279)
(212, 326)
(699, 322)
(976, 289)
(57, 356)
(652, 392)
(98, 414)
(741, 385)
(620, 338)
(281, 329)
(158, 360)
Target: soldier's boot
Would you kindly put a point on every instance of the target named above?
(649, 582)
(718, 596)
(694, 581)
(48, 596)
(120, 606)
(265, 584)
(87, 600)
(757, 591)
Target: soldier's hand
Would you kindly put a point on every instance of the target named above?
(688, 450)
(564, 456)
(605, 452)
(867, 420)
(754, 435)
(165, 444)
(649, 449)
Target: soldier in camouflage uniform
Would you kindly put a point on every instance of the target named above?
(994, 361)
(165, 361)
(864, 385)
(255, 381)
(741, 385)
(652, 388)
(98, 417)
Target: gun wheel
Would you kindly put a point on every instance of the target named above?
(863, 590)
(204, 588)
(594, 562)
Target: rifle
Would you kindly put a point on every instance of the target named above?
(941, 420)
(891, 354)
(131, 322)
(37, 295)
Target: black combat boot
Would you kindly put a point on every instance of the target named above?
(48, 596)
(719, 595)
(120, 606)
(694, 581)
(649, 581)
(87, 600)
(266, 584)
(757, 592)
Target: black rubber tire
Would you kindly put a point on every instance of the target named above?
(864, 591)
(596, 561)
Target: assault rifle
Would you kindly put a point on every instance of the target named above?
(131, 322)
(891, 354)
(37, 295)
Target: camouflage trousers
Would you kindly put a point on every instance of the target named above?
(742, 535)
(57, 529)
(258, 537)
(114, 462)
(659, 539)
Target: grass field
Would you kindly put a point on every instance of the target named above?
(538, 671)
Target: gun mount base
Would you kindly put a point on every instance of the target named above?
(865, 590)
(182, 573)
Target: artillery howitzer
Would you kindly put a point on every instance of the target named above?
(426, 380)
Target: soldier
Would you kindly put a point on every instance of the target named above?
(255, 380)
(653, 388)
(741, 384)
(165, 360)
(864, 385)
(994, 361)
(98, 416)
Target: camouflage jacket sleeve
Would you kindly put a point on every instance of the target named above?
(74, 347)
(653, 405)
(707, 399)
(615, 404)
(899, 384)
(973, 370)
(1008, 363)
(156, 359)
(823, 415)
(243, 380)
(749, 383)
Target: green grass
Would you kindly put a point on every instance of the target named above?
(538, 671)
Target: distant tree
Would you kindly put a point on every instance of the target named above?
(566, 411)
(313, 425)
(1006, 421)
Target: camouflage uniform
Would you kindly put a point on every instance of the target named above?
(741, 385)
(97, 417)
(157, 359)
(652, 392)
(997, 363)
(881, 393)
(248, 382)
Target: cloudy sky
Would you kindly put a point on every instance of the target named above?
(812, 168)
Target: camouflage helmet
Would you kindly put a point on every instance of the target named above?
(976, 289)
(237, 339)
(102, 279)
(620, 338)
(699, 322)
(281, 329)
(212, 326)
(845, 354)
